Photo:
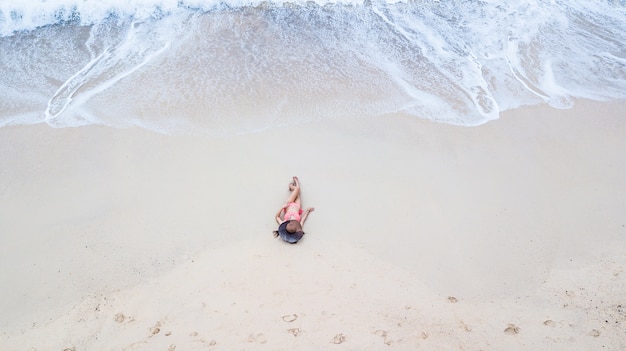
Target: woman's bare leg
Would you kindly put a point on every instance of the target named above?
(295, 183)
(294, 196)
(298, 199)
(295, 192)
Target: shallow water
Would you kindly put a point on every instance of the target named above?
(232, 67)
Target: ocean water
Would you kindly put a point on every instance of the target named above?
(231, 67)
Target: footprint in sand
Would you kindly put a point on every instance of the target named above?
(295, 331)
(120, 318)
(383, 334)
(338, 339)
(512, 329)
(156, 329)
(123, 319)
(290, 318)
(260, 338)
(465, 327)
(595, 333)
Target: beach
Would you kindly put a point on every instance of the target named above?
(505, 236)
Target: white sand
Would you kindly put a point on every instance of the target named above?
(508, 236)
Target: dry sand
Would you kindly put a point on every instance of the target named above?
(507, 236)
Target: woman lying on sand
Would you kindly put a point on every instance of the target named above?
(290, 226)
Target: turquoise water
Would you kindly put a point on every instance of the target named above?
(235, 67)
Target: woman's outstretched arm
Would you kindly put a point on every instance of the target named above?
(306, 214)
(278, 220)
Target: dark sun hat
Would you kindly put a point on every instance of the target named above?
(287, 236)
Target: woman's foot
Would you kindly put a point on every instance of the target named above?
(294, 184)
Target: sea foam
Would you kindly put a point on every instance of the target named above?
(241, 66)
